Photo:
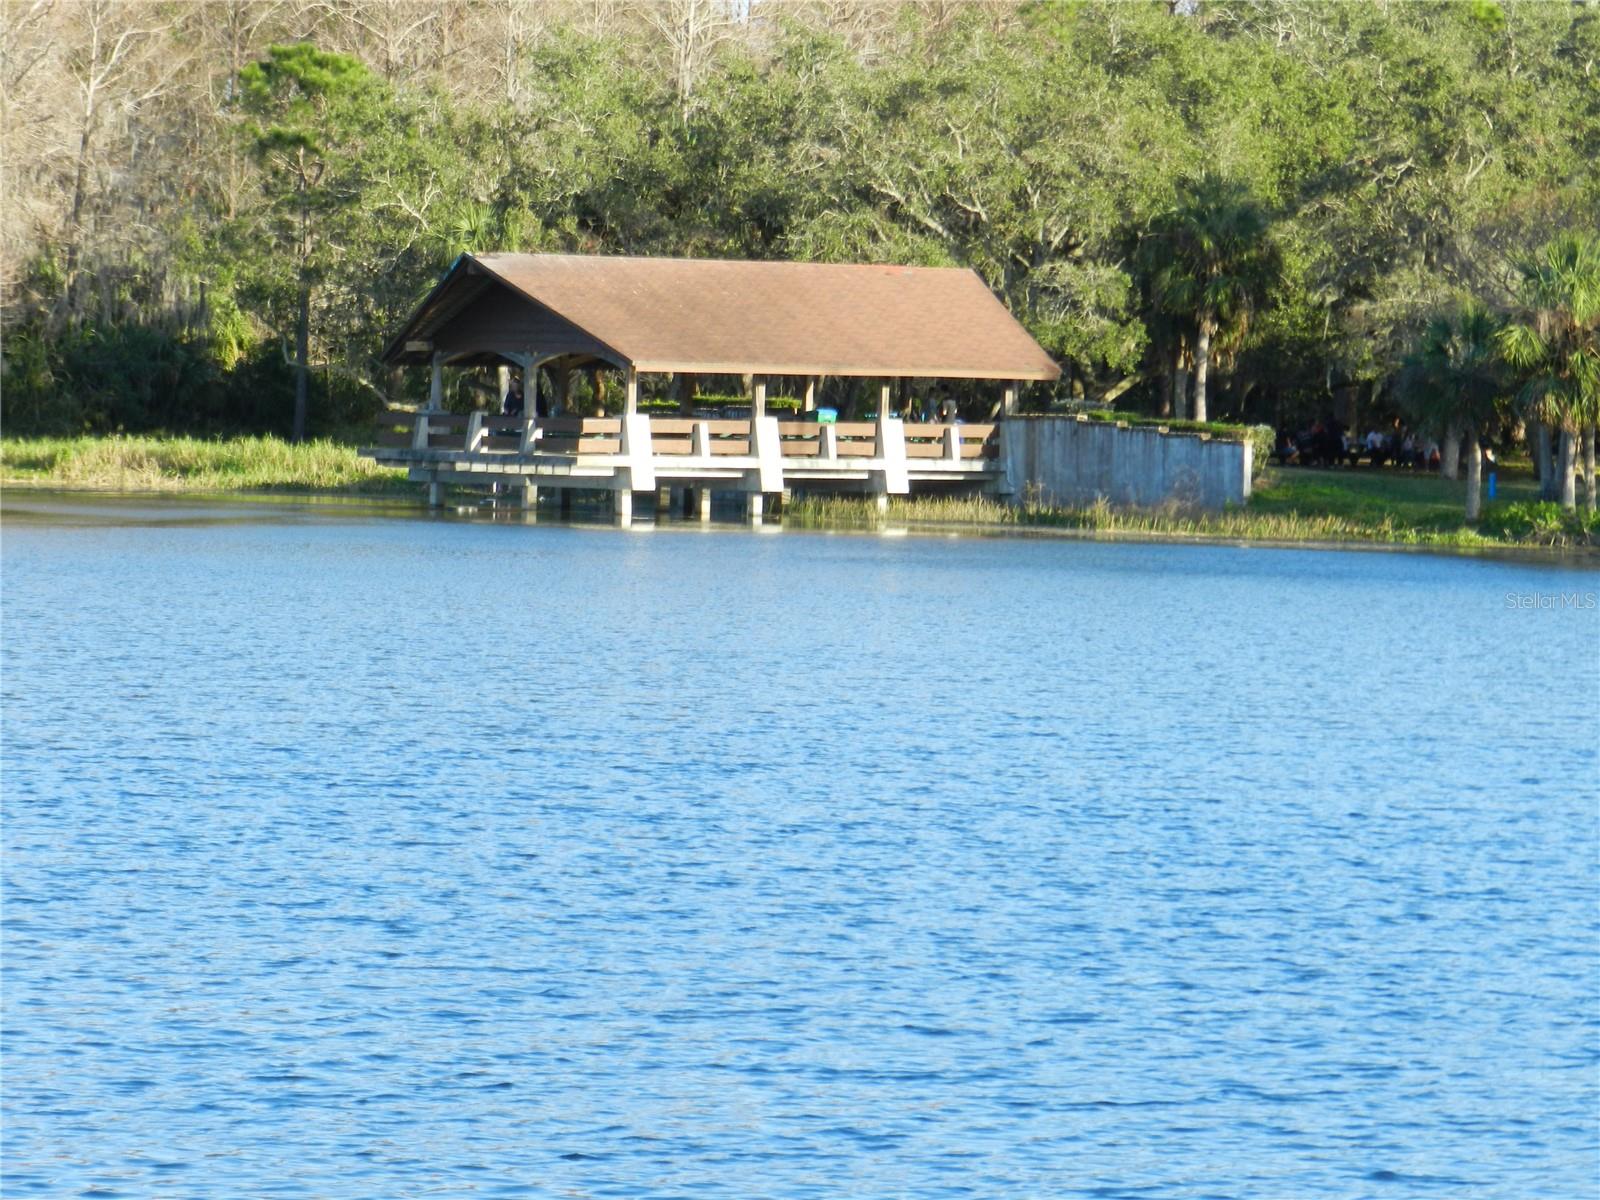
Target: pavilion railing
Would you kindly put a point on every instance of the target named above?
(489, 433)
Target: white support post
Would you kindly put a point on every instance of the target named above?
(754, 504)
(766, 445)
(702, 497)
(811, 393)
(828, 442)
(530, 386)
(758, 403)
(892, 476)
(701, 440)
(530, 495)
(1008, 401)
(637, 461)
(633, 393)
(435, 495)
(502, 384)
(622, 503)
(474, 431)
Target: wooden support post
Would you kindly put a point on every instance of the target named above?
(754, 503)
(1008, 400)
(530, 387)
(632, 401)
(622, 506)
(811, 394)
(758, 401)
(686, 389)
(702, 496)
(883, 401)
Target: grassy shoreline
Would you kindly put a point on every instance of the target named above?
(1341, 506)
(185, 464)
(1323, 530)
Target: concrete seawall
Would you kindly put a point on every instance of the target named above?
(1071, 463)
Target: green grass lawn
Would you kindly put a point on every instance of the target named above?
(1379, 496)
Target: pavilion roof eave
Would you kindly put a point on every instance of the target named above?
(838, 370)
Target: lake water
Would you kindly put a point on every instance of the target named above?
(351, 855)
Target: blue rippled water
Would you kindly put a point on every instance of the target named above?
(350, 856)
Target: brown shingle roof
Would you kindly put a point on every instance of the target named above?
(780, 318)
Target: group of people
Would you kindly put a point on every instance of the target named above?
(1403, 447)
(1328, 442)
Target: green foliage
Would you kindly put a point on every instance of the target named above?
(1400, 156)
(1261, 444)
(1211, 256)
(1453, 379)
(1542, 523)
(144, 379)
(1555, 344)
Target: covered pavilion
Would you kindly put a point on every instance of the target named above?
(700, 317)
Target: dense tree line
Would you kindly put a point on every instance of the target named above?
(1246, 210)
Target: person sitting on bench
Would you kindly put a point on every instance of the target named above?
(512, 405)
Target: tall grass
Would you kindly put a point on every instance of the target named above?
(146, 464)
(1282, 520)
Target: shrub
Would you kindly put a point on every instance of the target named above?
(1542, 522)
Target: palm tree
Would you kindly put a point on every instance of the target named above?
(1213, 261)
(1555, 344)
(1451, 381)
